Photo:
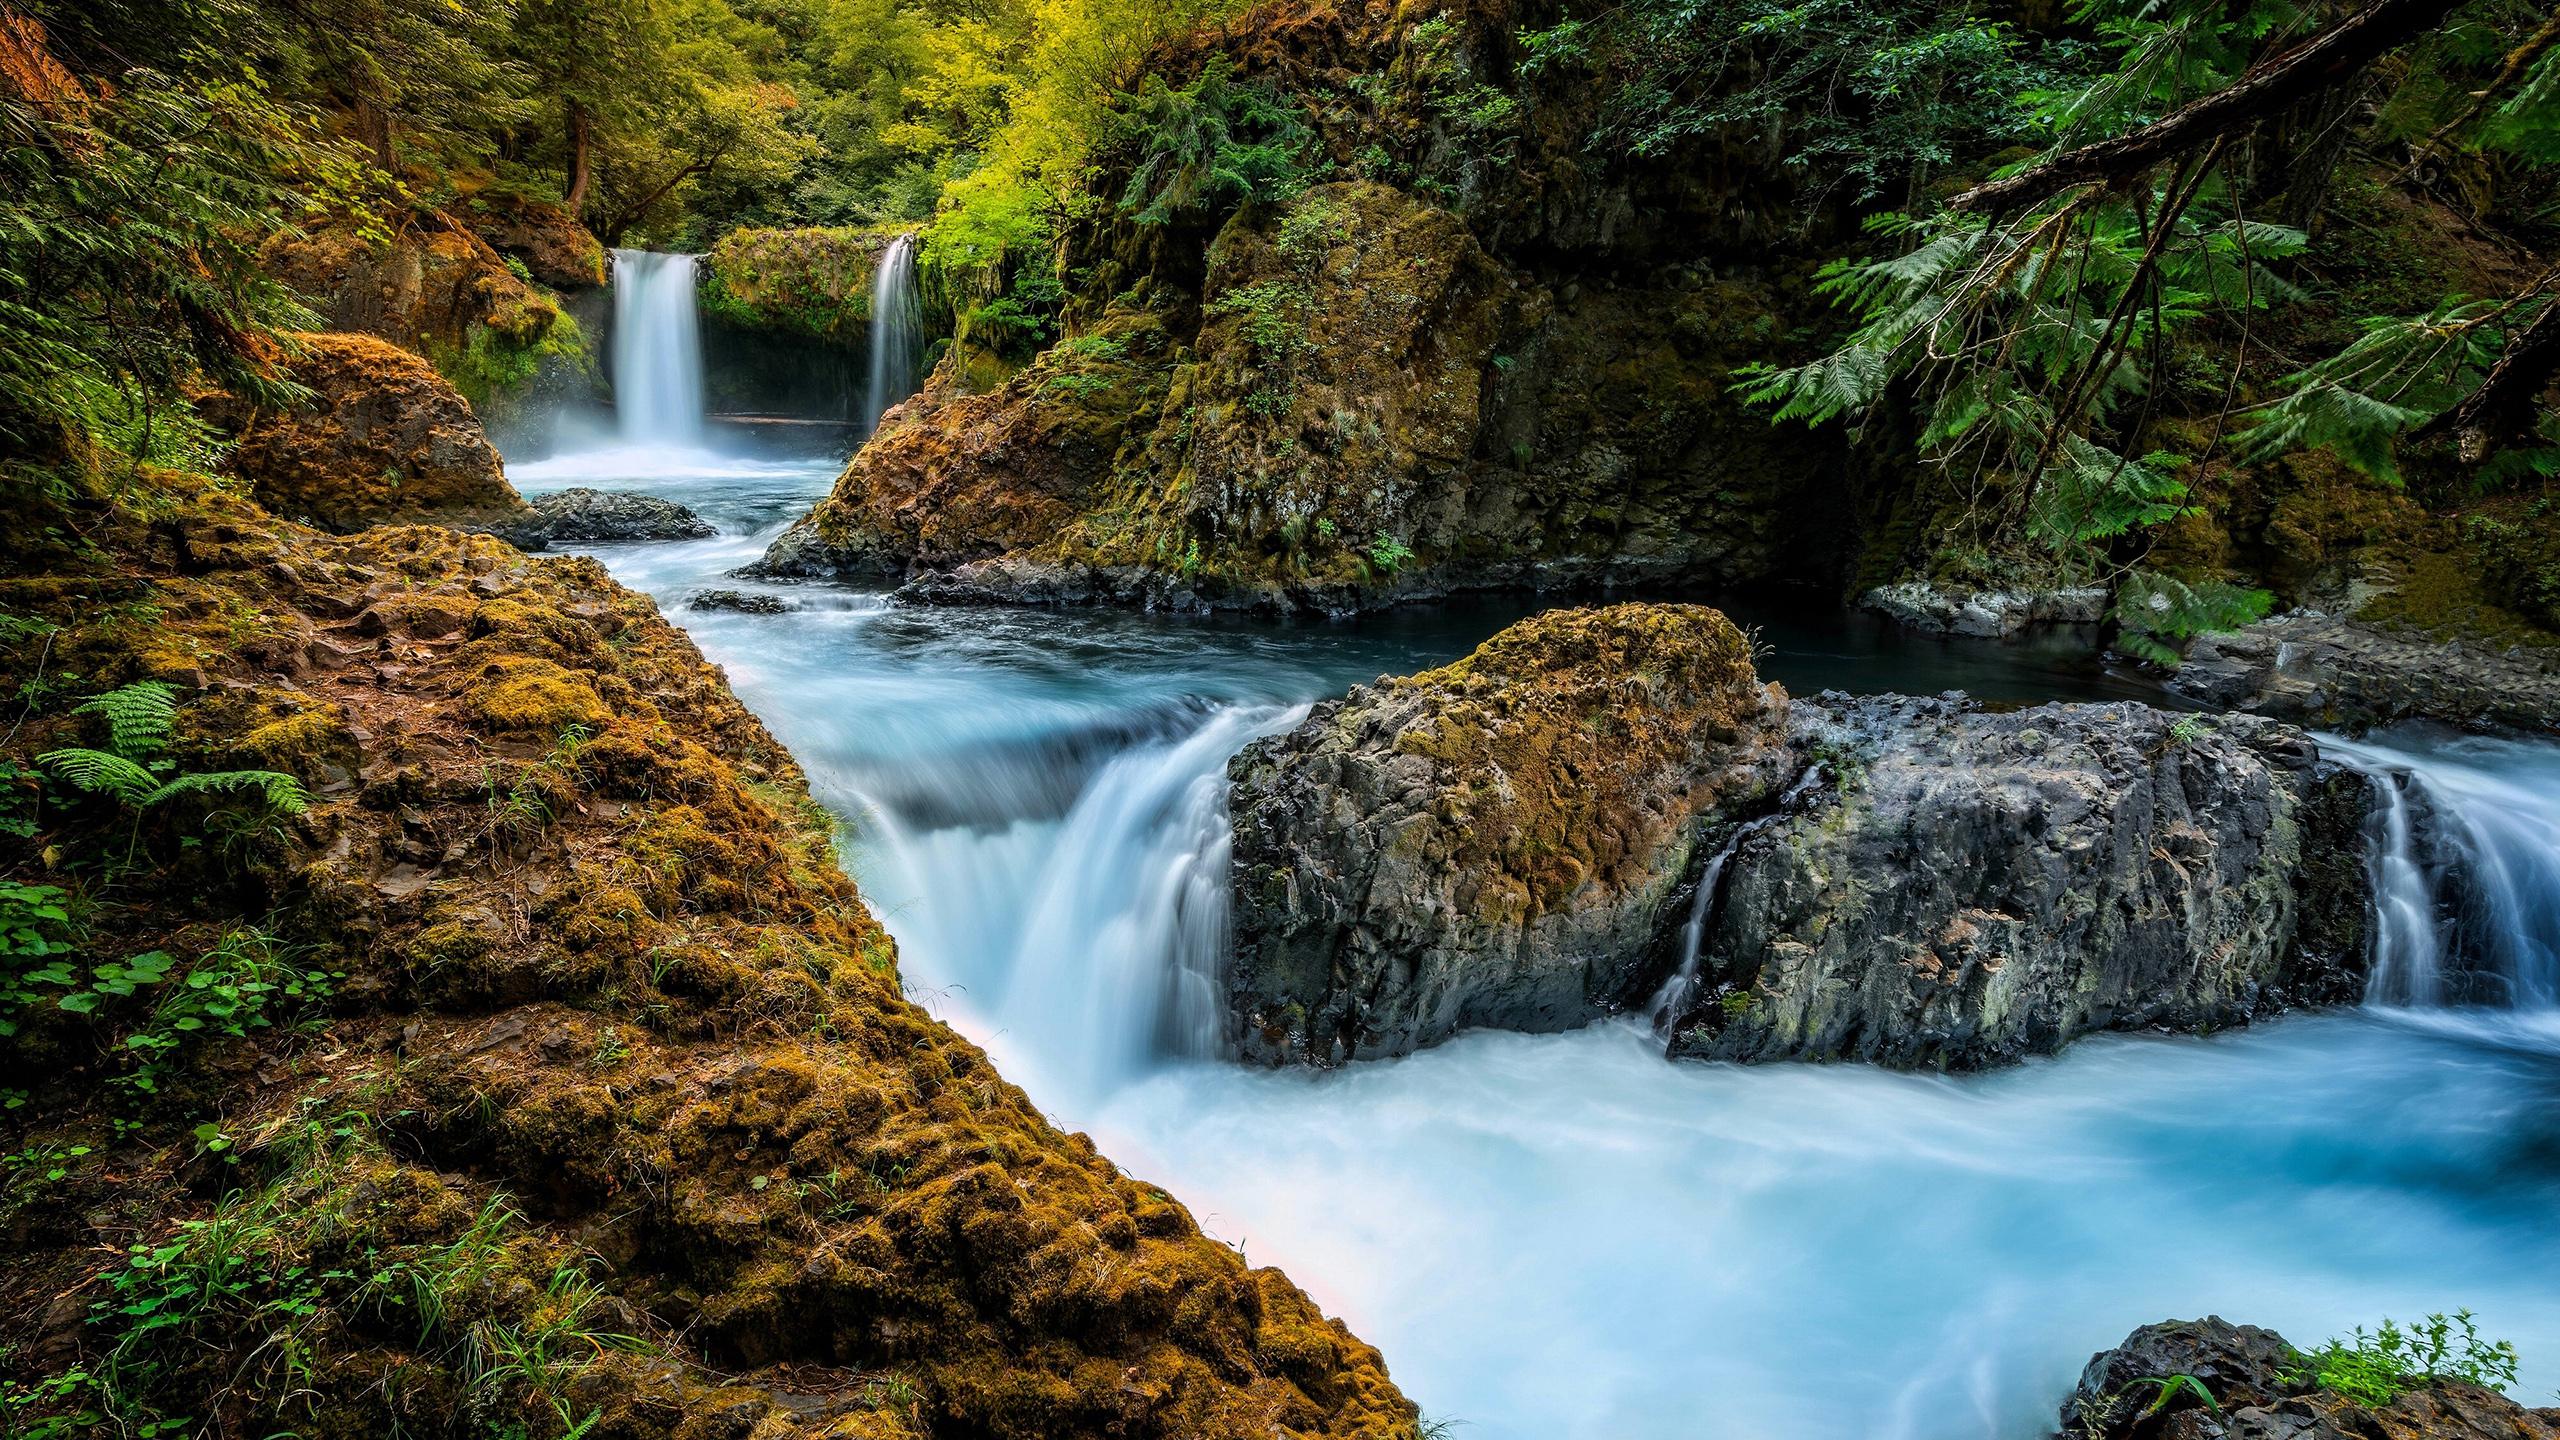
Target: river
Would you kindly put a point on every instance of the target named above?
(1569, 1235)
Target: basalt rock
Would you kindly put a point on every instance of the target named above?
(1502, 842)
(2319, 670)
(553, 247)
(1969, 886)
(2000, 614)
(581, 516)
(2254, 1386)
(381, 438)
(741, 602)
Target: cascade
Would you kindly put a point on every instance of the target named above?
(897, 325)
(1672, 1000)
(2463, 858)
(657, 349)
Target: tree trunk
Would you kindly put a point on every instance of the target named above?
(581, 166)
(2267, 88)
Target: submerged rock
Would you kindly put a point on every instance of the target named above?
(2320, 670)
(580, 516)
(382, 438)
(1501, 842)
(2212, 1380)
(741, 601)
(1970, 886)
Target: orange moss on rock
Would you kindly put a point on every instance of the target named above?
(1497, 842)
(382, 437)
(611, 973)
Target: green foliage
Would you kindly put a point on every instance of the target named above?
(2396, 375)
(136, 772)
(37, 932)
(132, 205)
(1211, 145)
(250, 981)
(2157, 614)
(2374, 1370)
(1388, 553)
(1871, 97)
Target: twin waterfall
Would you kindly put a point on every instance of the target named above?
(897, 330)
(657, 343)
(657, 349)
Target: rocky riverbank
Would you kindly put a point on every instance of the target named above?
(555, 1025)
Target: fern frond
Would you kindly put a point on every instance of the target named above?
(140, 717)
(282, 793)
(100, 773)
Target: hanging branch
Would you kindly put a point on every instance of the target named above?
(2265, 89)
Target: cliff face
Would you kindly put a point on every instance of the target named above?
(589, 1053)
(1479, 362)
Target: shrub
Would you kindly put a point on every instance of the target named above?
(2376, 1369)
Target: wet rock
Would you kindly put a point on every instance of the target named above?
(2254, 1388)
(2318, 670)
(1995, 614)
(1971, 886)
(1502, 842)
(741, 601)
(382, 438)
(581, 516)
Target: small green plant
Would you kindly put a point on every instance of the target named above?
(611, 1050)
(135, 770)
(2376, 1369)
(2165, 1390)
(250, 981)
(1388, 553)
(2188, 730)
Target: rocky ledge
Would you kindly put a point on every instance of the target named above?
(2212, 1380)
(1498, 843)
(2319, 670)
(1520, 841)
(598, 982)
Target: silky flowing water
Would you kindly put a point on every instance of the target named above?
(1569, 1235)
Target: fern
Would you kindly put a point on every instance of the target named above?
(101, 773)
(283, 794)
(140, 717)
(2157, 614)
(2395, 376)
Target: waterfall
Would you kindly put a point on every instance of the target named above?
(1098, 937)
(897, 326)
(657, 349)
(2463, 859)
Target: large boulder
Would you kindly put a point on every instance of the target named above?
(1503, 842)
(1968, 886)
(381, 438)
(545, 238)
(2212, 1380)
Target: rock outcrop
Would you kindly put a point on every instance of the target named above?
(382, 437)
(581, 516)
(2211, 1380)
(1502, 842)
(615, 1062)
(547, 240)
(2319, 670)
(1998, 614)
(1517, 842)
(1968, 886)
(1381, 390)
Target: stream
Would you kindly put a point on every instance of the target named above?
(1568, 1235)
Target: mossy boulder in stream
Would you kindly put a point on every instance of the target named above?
(1501, 842)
